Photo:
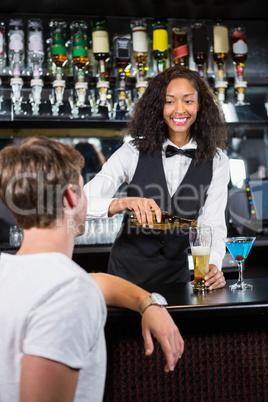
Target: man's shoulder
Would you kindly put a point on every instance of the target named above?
(46, 270)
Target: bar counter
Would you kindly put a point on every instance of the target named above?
(226, 348)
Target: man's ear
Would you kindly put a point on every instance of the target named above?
(70, 198)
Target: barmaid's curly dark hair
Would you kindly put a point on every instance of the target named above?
(149, 130)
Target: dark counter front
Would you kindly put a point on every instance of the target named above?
(226, 348)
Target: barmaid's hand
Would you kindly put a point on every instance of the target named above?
(143, 208)
(215, 278)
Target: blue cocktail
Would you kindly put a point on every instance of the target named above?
(239, 248)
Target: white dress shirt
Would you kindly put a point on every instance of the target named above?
(121, 166)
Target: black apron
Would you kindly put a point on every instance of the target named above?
(152, 256)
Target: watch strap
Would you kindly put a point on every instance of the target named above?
(146, 303)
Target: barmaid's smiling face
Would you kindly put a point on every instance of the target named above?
(180, 108)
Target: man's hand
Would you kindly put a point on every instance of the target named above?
(157, 322)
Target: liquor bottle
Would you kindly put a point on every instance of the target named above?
(121, 52)
(180, 46)
(34, 60)
(160, 43)
(80, 59)
(69, 67)
(239, 50)
(2, 47)
(200, 47)
(58, 39)
(221, 48)
(101, 48)
(139, 46)
(168, 221)
(121, 58)
(59, 59)
(92, 66)
(79, 44)
(16, 61)
(35, 46)
(16, 47)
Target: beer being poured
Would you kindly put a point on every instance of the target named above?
(168, 221)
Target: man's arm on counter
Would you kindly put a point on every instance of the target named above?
(156, 321)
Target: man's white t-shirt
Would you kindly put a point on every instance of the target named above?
(50, 307)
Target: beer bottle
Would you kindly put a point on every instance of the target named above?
(168, 221)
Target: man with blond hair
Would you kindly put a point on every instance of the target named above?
(52, 313)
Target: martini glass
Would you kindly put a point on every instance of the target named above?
(239, 248)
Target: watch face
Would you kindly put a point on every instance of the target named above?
(158, 299)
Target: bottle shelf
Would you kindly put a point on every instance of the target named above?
(61, 128)
(251, 81)
(71, 115)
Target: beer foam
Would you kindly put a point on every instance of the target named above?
(200, 250)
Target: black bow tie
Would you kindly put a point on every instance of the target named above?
(170, 151)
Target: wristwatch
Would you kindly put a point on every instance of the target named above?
(152, 299)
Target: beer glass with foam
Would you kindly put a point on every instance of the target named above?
(200, 243)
